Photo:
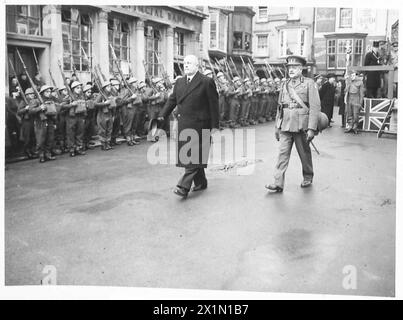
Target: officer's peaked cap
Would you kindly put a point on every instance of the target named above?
(295, 60)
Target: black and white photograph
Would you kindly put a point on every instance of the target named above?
(204, 147)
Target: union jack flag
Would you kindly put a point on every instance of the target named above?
(372, 114)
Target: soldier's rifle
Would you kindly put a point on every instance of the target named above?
(94, 76)
(164, 73)
(101, 75)
(226, 75)
(269, 69)
(115, 59)
(18, 82)
(236, 70)
(36, 61)
(149, 78)
(54, 83)
(65, 80)
(29, 78)
(180, 69)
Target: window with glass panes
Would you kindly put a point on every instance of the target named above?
(118, 37)
(337, 49)
(213, 29)
(77, 36)
(153, 48)
(262, 13)
(179, 44)
(262, 44)
(24, 19)
(292, 41)
(346, 17)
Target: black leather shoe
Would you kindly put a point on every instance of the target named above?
(200, 187)
(306, 183)
(42, 159)
(273, 187)
(181, 192)
(72, 153)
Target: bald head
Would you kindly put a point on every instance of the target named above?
(190, 65)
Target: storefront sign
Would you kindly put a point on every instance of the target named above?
(366, 19)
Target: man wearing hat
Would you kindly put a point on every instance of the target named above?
(296, 122)
(27, 123)
(208, 73)
(141, 111)
(373, 82)
(196, 98)
(75, 120)
(44, 116)
(326, 94)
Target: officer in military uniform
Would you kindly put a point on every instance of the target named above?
(44, 123)
(296, 122)
(354, 96)
(27, 123)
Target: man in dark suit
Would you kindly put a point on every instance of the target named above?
(373, 82)
(326, 94)
(196, 98)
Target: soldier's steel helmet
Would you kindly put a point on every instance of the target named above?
(157, 80)
(62, 88)
(295, 60)
(141, 84)
(104, 84)
(263, 80)
(29, 91)
(131, 80)
(236, 79)
(87, 87)
(256, 78)
(207, 72)
(75, 84)
(115, 82)
(246, 80)
(220, 74)
(44, 88)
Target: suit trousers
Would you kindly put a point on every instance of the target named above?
(287, 139)
(196, 175)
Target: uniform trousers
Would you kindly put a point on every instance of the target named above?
(353, 107)
(45, 135)
(192, 174)
(75, 131)
(287, 139)
(105, 125)
(127, 118)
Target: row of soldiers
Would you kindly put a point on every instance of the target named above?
(66, 119)
(244, 102)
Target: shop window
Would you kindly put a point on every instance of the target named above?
(237, 40)
(118, 37)
(152, 49)
(337, 50)
(24, 20)
(179, 44)
(76, 36)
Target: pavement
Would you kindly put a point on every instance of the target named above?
(110, 218)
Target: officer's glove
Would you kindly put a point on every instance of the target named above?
(310, 135)
(277, 134)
